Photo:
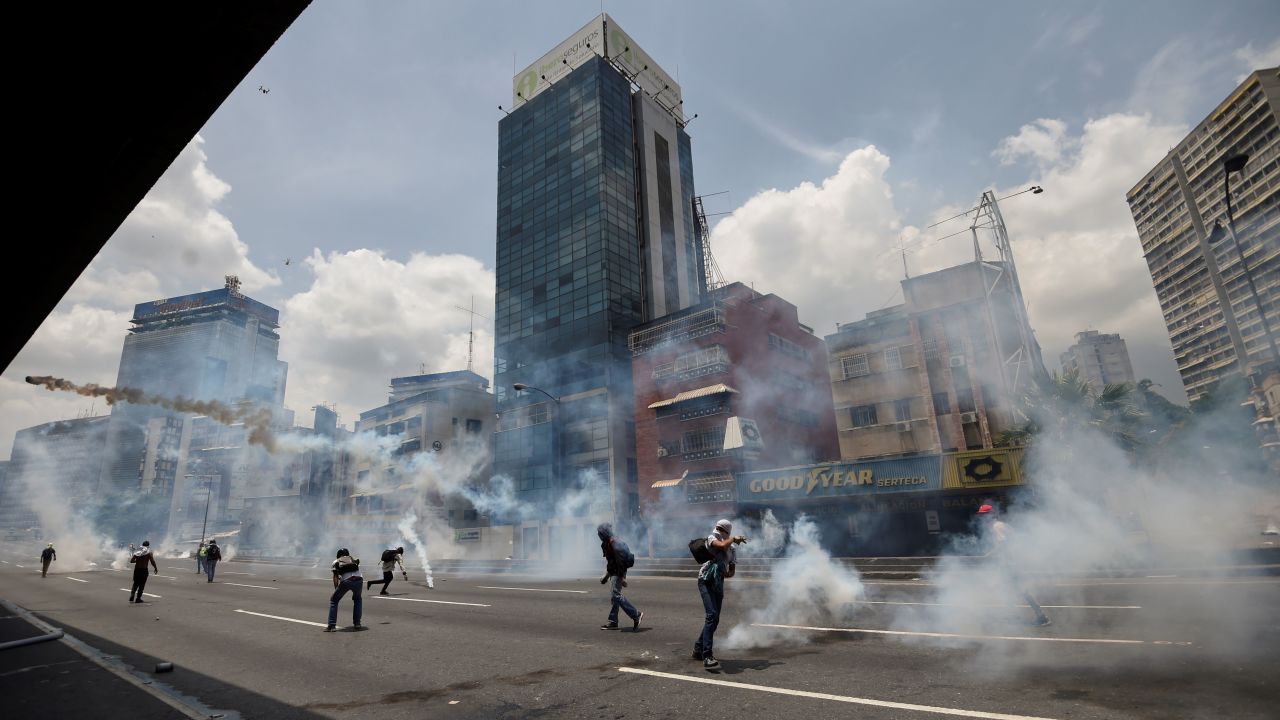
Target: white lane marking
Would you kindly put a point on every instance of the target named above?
(167, 577)
(1161, 576)
(145, 593)
(232, 572)
(837, 698)
(439, 602)
(973, 637)
(1169, 583)
(495, 587)
(277, 617)
(6, 562)
(1075, 607)
(77, 579)
(260, 587)
(167, 567)
(21, 566)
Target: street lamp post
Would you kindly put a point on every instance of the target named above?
(208, 497)
(1232, 164)
(555, 426)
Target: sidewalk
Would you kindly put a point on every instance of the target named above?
(55, 679)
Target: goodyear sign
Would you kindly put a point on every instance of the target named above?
(951, 471)
(842, 479)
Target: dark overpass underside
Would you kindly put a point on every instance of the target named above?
(104, 97)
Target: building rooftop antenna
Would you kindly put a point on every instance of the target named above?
(471, 331)
(710, 270)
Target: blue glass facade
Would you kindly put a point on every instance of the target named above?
(569, 284)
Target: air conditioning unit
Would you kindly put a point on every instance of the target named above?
(969, 418)
(662, 452)
(957, 361)
(904, 426)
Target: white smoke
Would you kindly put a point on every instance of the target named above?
(410, 534)
(806, 587)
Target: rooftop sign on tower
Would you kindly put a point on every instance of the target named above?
(603, 37)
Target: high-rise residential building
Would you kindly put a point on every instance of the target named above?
(595, 235)
(938, 373)
(1178, 205)
(1098, 359)
(216, 345)
(733, 384)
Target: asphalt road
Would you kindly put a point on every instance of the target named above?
(505, 646)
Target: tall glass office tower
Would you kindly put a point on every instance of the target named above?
(216, 345)
(595, 235)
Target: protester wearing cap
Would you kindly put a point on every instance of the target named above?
(47, 556)
(997, 534)
(711, 576)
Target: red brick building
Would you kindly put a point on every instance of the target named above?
(733, 384)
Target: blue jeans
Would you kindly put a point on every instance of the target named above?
(354, 585)
(712, 601)
(621, 602)
(208, 567)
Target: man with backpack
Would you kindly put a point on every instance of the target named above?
(211, 557)
(346, 578)
(139, 559)
(390, 558)
(618, 557)
(719, 561)
(47, 556)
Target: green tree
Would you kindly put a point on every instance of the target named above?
(1059, 404)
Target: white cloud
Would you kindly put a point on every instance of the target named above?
(811, 244)
(367, 318)
(829, 247)
(174, 242)
(1042, 141)
(1251, 59)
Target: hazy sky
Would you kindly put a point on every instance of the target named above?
(838, 130)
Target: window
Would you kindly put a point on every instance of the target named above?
(902, 409)
(473, 426)
(863, 415)
(703, 361)
(892, 359)
(941, 403)
(964, 400)
(855, 366)
(930, 346)
(703, 440)
(784, 345)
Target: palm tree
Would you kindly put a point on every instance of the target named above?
(1060, 404)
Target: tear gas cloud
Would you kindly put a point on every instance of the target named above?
(256, 418)
(1090, 507)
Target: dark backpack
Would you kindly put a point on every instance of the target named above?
(342, 568)
(389, 555)
(701, 553)
(623, 554)
(213, 553)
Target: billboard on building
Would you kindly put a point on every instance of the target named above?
(207, 299)
(601, 37)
